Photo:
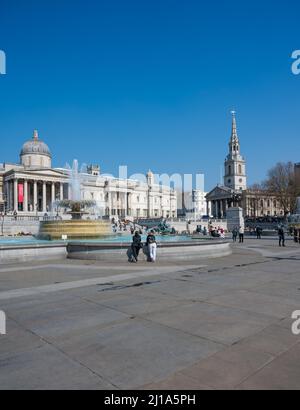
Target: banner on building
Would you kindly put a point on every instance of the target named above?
(20, 193)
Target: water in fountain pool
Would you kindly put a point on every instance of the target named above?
(21, 241)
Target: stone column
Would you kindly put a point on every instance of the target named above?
(219, 209)
(15, 195)
(61, 191)
(216, 209)
(7, 194)
(207, 208)
(109, 204)
(25, 203)
(44, 197)
(224, 208)
(125, 204)
(52, 192)
(128, 203)
(69, 192)
(35, 199)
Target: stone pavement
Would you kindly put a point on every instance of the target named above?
(208, 324)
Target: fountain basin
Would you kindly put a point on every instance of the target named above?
(74, 229)
(169, 251)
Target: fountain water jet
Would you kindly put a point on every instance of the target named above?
(77, 227)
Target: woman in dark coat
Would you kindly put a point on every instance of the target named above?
(136, 246)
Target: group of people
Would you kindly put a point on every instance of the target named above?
(217, 232)
(149, 248)
(241, 232)
(296, 234)
(238, 231)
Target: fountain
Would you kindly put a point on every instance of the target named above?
(77, 227)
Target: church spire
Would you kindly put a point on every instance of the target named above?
(234, 144)
(235, 165)
(234, 135)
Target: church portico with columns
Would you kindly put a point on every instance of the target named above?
(220, 199)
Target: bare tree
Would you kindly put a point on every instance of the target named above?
(281, 183)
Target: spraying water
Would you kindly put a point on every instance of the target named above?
(75, 179)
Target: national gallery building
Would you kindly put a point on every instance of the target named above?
(32, 186)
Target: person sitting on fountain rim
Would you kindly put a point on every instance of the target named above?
(136, 246)
(152, 246)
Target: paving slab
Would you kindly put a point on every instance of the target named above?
(274, 339)
(47, 368)
(283, 373)
(222, 324)
(59, 321)
(134, 353)
(278, 307)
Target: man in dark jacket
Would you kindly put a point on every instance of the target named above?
(258, 232)
(234, 234)
(136, 246)
(281, 236)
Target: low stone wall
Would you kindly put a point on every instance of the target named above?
(28, 253)
(12, 228)
(171, 251)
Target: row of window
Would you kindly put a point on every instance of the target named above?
(262, 203)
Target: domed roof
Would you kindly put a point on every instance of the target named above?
(35, 146)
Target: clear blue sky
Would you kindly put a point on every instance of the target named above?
(151, 83)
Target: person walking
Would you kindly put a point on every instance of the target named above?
(136, 246)
(295, 235)
(241, 234)
(258, 232)
(234, 234)
(281, 236)
(152, 247)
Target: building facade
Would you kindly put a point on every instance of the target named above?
(200, 205)
(258, 203)
(297, 177)
(32, 187)
(234, 193)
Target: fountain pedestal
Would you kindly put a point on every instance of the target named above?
(74, 229)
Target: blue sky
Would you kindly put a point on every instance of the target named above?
(150, 84)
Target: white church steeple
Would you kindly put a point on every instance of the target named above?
(235, 165)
